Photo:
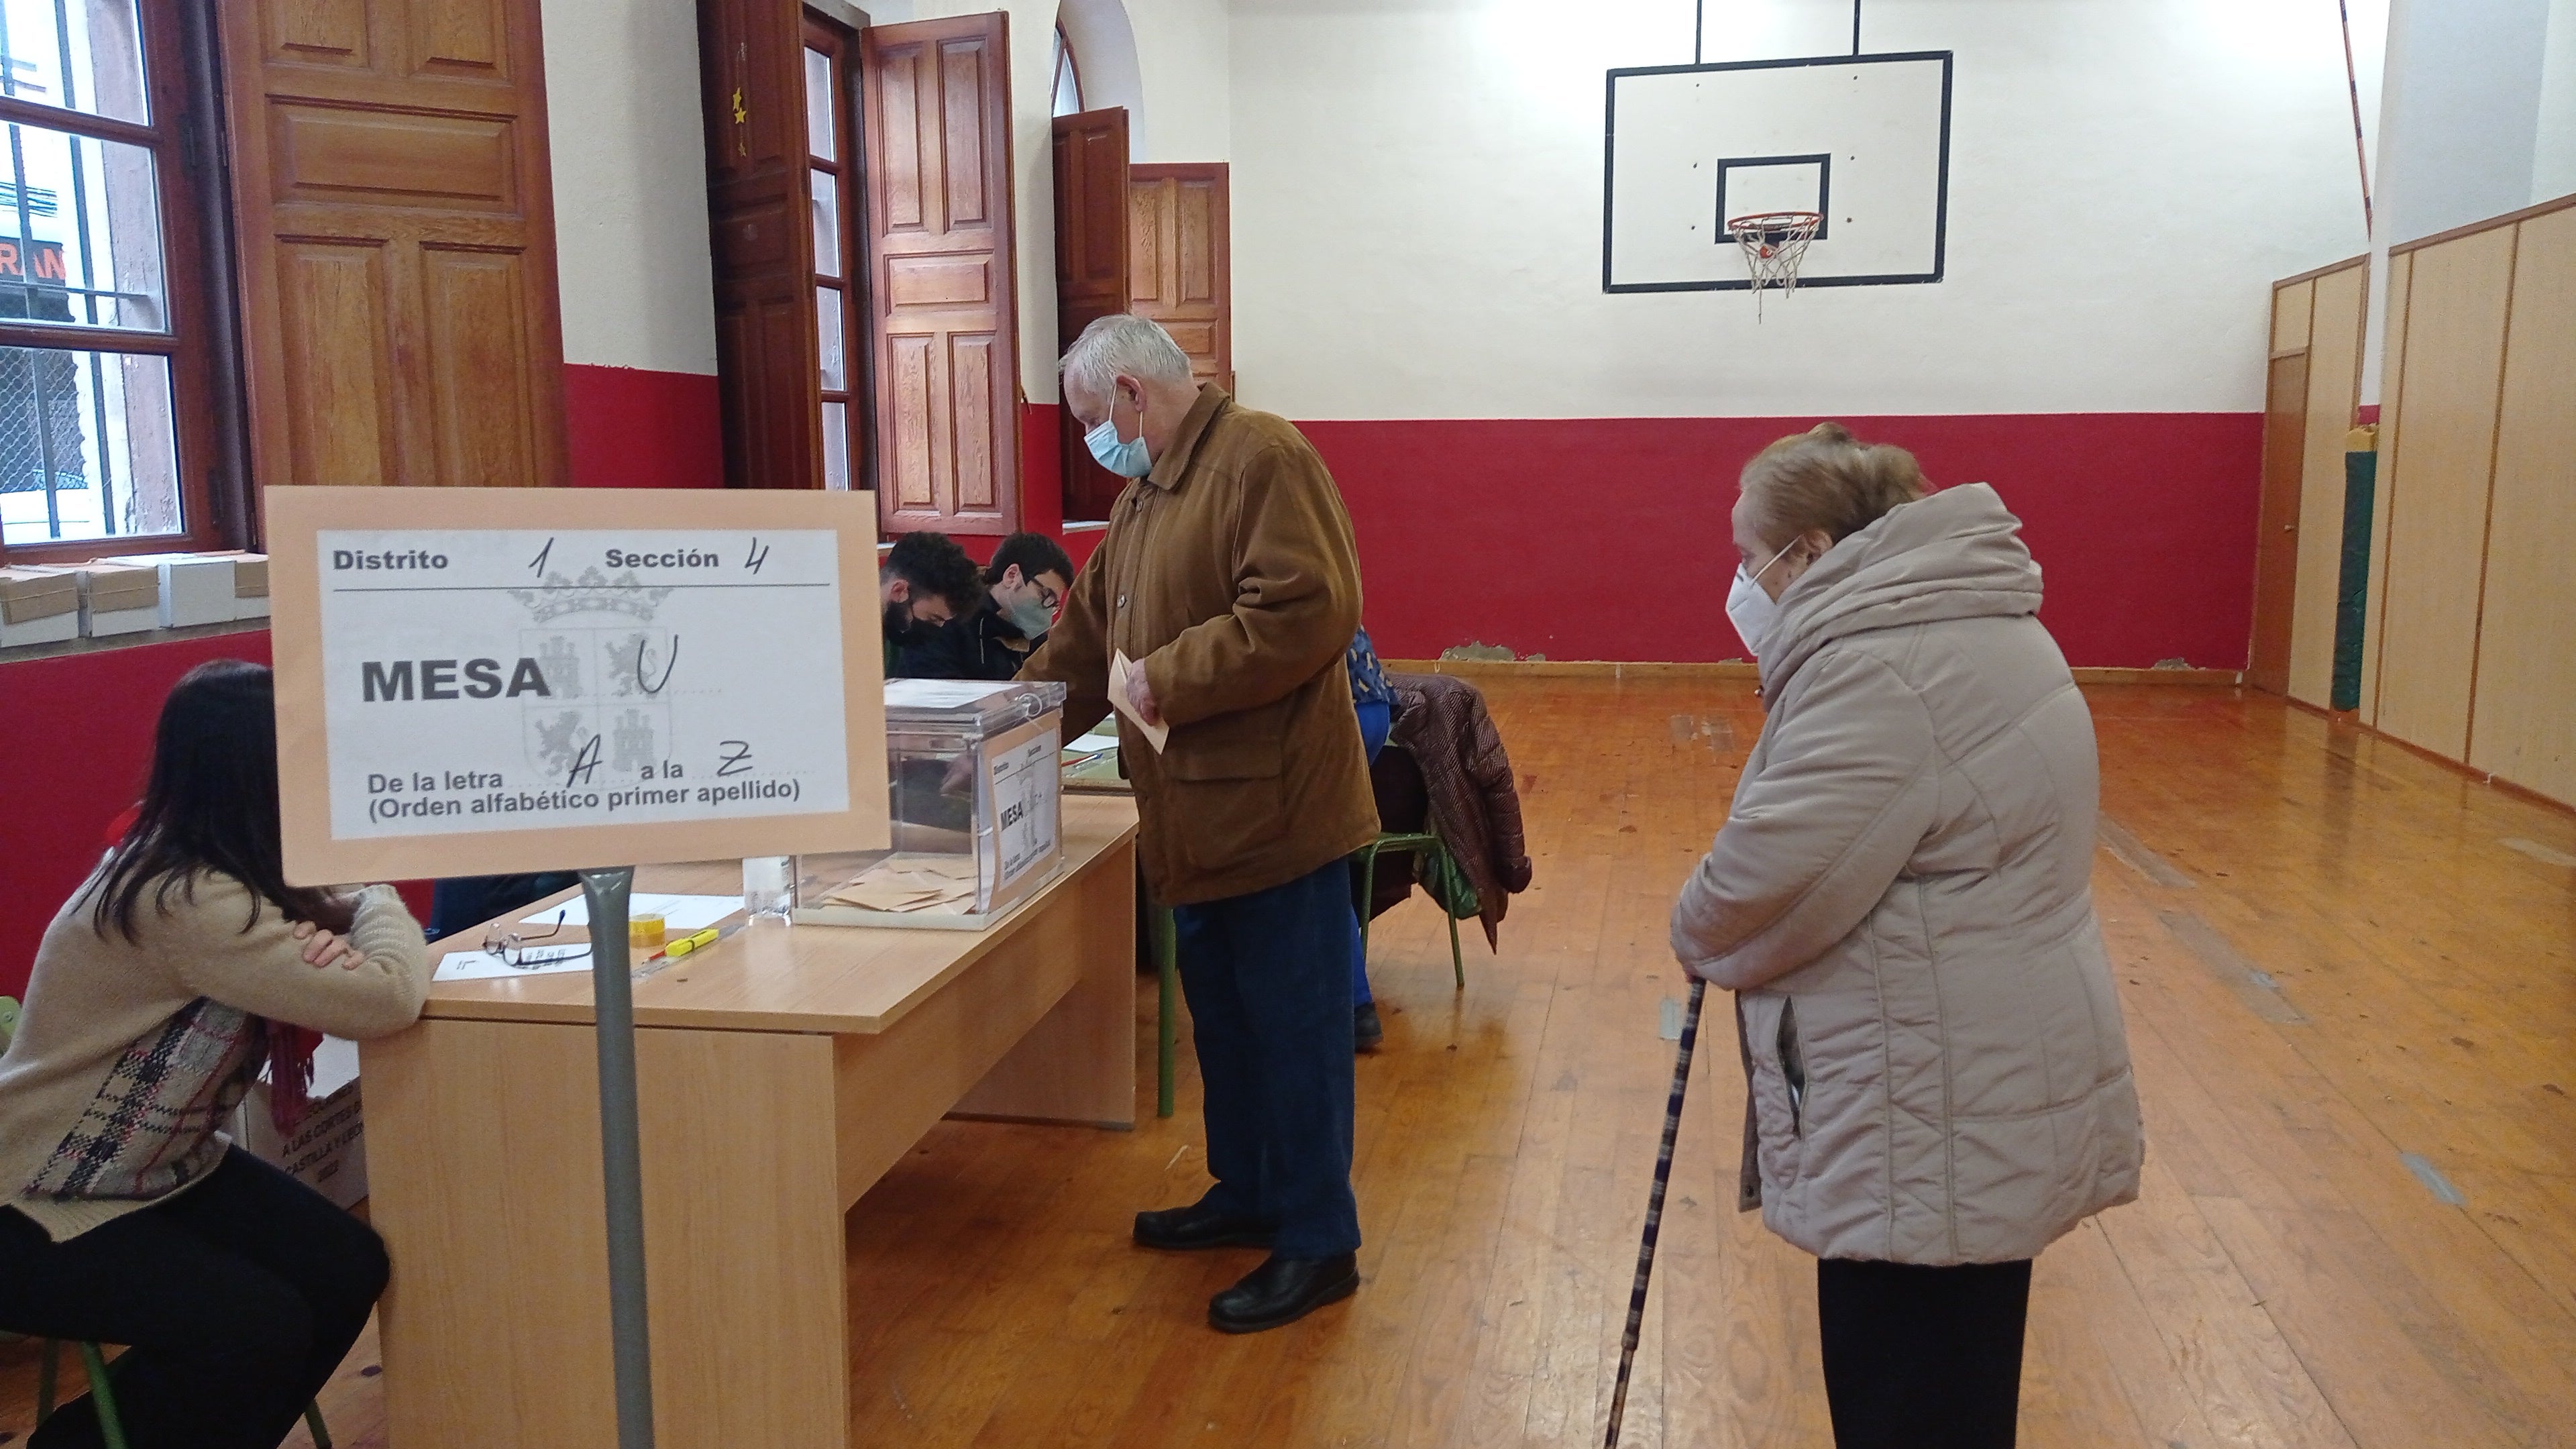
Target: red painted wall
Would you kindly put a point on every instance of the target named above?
(630, 428)
(1608, 538)
(80, 742)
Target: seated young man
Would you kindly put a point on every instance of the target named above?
(1023, 587)
(925, 581)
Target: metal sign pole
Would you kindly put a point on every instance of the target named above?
(621, 1160)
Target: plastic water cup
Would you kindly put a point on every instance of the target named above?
(765, 882)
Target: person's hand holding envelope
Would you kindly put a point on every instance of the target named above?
(1133, 698)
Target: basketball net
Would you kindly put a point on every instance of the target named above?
(1774, 243)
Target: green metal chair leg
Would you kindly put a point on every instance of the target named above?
(111, 1425)
(102, 1394)
(1167, 969)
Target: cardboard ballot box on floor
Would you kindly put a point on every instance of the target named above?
(38, 606)
(327, 1152)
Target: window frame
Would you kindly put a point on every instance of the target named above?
(185, 139)
(1067, 65)
(839, 45)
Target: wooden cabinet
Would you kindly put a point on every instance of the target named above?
(2472, 648)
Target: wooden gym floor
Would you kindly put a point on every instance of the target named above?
(2351, 995)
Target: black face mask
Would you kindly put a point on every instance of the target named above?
(904, 630)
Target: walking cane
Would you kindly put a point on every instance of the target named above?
(1654, 1215)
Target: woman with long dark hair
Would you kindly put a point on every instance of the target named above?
(179, 968)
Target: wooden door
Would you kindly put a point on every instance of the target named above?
(2276, 549)
(1177, 259)
(752, 89)
(397, 254)
(943, 298)
(1090, 273)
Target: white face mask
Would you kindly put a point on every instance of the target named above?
(1753, 612)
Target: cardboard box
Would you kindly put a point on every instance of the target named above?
(250, 586)
(118, 598)
(196, 588)
(328, 1151)
(38, 606)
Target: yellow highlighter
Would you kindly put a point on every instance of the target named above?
(695, 941)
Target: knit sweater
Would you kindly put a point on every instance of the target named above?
(131, 1054)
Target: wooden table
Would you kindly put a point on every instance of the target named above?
(780, 1074)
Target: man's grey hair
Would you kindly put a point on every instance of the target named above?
(1123, 343)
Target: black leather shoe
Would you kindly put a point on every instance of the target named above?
(1283, 1290)
(1366, 1030)
(1184, 1229)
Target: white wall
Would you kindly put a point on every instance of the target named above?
(2479, 120)
(630, 181)
(1417, 211)
(2553, 159)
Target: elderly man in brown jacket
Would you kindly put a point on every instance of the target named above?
(1228, 575)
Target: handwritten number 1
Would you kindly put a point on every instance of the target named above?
(538, 565)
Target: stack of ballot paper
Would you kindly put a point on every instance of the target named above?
(901, 884)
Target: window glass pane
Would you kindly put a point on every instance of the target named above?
(87, 445)
(836, 445)
(827, 223)
(1068, 80)
(827, 327)
(80, 232)
(818, 104)
(83, 55)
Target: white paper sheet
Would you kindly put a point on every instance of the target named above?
(485, 966)
(1120, 667)
(1094, 742)
(938, 693)
(680, 914)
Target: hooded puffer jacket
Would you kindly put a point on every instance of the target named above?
(1901, 900)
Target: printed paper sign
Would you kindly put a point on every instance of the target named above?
(527, 678)
(686, 678)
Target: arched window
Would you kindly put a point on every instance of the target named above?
(1068, 76)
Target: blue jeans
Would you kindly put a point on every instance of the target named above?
(1268, 982)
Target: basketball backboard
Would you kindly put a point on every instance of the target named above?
(1863, 140)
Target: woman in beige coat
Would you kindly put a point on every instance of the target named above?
(1938, 1076)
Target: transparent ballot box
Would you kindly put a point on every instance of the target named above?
(973, 789)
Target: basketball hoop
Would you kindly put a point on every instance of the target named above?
(1774, 243)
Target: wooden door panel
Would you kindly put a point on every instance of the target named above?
(944, 301)
(459, 38)
(331, 155)
(2276, 548)
(318, 32)
(333, 335)
(2334, 388)
(395, 211)
(909, 441)
(475, 355)
(2439, 487)
(1179, 272)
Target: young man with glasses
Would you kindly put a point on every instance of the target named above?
(1023, 588)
